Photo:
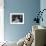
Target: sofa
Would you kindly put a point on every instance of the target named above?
(39, 33)
(39, 37)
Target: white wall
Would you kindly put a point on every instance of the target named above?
(43, 6)
(1, 21)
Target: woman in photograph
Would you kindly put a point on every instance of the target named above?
(17, 20)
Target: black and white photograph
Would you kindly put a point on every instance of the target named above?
(16, 18)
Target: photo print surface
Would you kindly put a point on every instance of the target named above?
(16, 18)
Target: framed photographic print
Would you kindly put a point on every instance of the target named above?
(16, 18)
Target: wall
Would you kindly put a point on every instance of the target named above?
(1, 21)
(43, 6)
(29, 8)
